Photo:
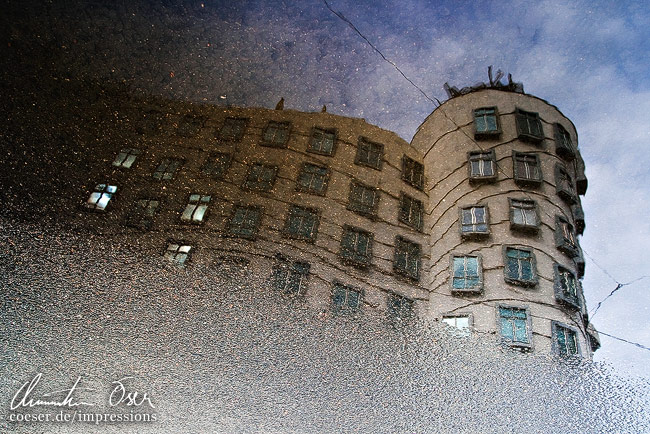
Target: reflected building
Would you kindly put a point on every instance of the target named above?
(474, 223)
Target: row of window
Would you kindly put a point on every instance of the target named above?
(276, 134)
(475, 223)
(313, 179)
(519, 269)
(527, 171)
(218, 163)
(290, 278)
(515, 329)
(529, 129)
(301, 223)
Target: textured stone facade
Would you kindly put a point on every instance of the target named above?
(350, 218)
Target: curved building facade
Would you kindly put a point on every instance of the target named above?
(473, 223)
(505, 179)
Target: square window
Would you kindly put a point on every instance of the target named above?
(565, 340)
(565, 237)
(142, 214)
(302, 223)
(313, 179)
(290, 278)
(261, 177)
(564, 184)
(216, 165)
(467, 274)
(126, 158)
(486, 123)
(178, 253)
(399, 307)
(233, 129)
(363, 199)
(527, 169)
(356, 246)
(523, 215)
(345, 299)
(166, 169)
(369, 153)
(322, 141)
(567, 289)
(520, 266)
(474, 222)
(407, 258)
(563, 143)
(515, 326)
(411, 212)
(195, 209)
(413, 172)
(276, 134)
(529, 126)
(482, 166)
(100, 197)
(460, 325)
(245, 221)
(190, 125)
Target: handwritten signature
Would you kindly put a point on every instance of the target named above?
(25, 396)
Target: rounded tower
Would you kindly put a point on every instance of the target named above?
(503, 217)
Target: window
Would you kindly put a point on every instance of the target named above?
(467, 275)
(290, 278)
(177, 253)
(363, 199)
(142, 215)
(529, 126)
(166, 169)
(564, 184)
(563, 144)
(407, 258)
(302, 223)
(486, 123)
(195, 210)
(190, 125)
(313, 179)
(578, 218)
(233, 129)
(523, 214)
(356, 246)
(413, 172)
(261, 177)
(322, 141)
(369, 153)
(411, 212)
(520, 266)
(527, 170)
(276, 134)
(216, 165)
(400, 307)
(461, 324)
(99, 198)
(515, 326)
(126, 158)
(345, 299)
(565, 237)
(245, 221)
(566, 287)
(482, 166)
(565, 340)
(474, 221)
